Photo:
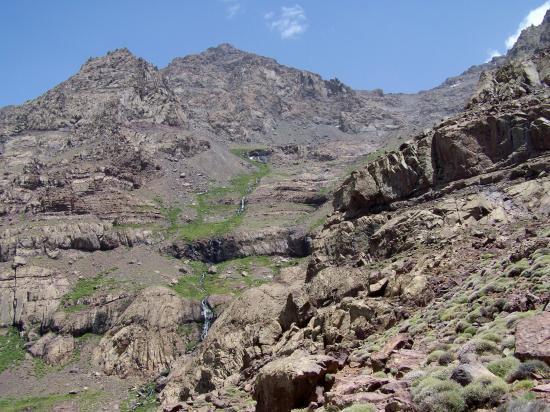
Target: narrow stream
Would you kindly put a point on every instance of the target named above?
(206, 311)
(207, 317)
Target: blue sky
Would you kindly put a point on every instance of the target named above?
(397, 45)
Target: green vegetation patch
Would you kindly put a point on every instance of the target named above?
(85, 288)
(12, 349)
(194, 287)
(215, 216)
(363, 407)
(85, 400)
(504, 366)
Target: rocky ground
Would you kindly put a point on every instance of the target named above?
(231, 234)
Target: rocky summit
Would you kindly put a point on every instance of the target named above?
(228, 233)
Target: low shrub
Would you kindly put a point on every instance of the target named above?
(471, 330)
(503, 367)
(435, 395)
(523, 385)
(434, 356)
(482, 346)
(484, 391)
(526, 370)
(362, 407)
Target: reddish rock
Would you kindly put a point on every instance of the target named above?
(533, 338)
(384, 393)
(399, 341)
(406, 360)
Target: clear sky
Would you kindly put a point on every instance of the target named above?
(397, 45)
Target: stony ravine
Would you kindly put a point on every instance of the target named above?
(323, 249)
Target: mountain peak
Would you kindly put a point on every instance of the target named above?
(225, 47)
(532, 38)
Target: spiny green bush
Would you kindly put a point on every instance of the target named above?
(434, 356)
(482, 346)
(484, 391)
(503, 367)
(435, 395)
(493, 337)
(461, 326)
(471, 330)
(363, 407)
(523, 385)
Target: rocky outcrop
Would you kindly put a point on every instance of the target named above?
(478, 141)
(84, 236)
(533, 338)
(98, 316)
(396, 176)
(292, 382)
(241, 339)
(55, 350)
(145, 340)
(268, 242)
(30, 295)
(531, 39)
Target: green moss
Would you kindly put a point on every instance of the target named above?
(503, 367)
(12, 349)
(190, 287)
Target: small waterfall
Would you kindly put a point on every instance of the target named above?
(207, 317)
(242, 205)
(206, 311)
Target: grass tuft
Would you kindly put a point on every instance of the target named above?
(12, 349)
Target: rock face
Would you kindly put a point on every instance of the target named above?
(292, 382)
(532, 38)
(145, 339)
(55, 350)
(475, 142)
(30, 295)
(269, 242)
(533, 338)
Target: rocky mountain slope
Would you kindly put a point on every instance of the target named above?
(164, 239)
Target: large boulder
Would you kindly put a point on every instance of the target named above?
(466, 373)
(53, 349)
(533, 338)
(291, 382)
